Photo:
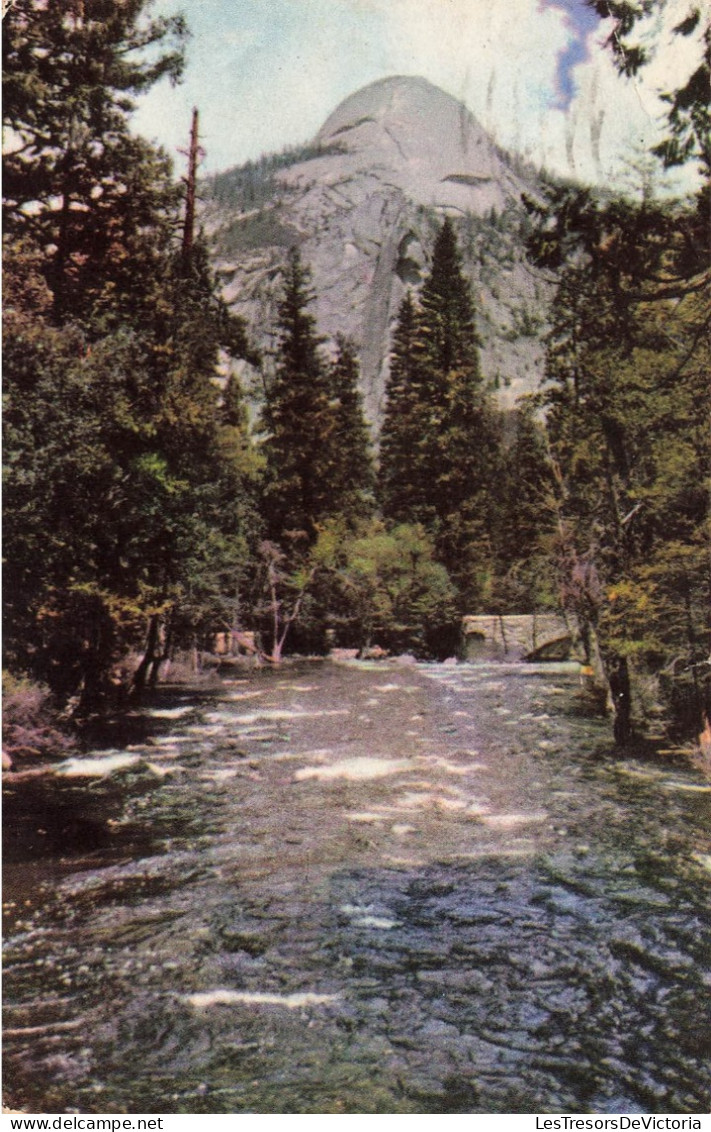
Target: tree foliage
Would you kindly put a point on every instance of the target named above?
(628, 400)
(382, 584)
(92, 196)
(689, 113)
(353, 478)
(628, 409)
(525, 578)
(319, 469)
(298, 417)
(403, 469)
(441, 443)
(316, 446)
(118, 477)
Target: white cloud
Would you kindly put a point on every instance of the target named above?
(267, 76)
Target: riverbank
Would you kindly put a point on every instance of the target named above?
(37, 736)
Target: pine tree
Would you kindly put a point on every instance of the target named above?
(120, 496)
(403, 470)
(299, 418)
(116, 507)
(70, 73)
(353, 476)
(527, 519)
(440, 442)
(626, 398)
(318, 470)
(468, 487)
(448, 317)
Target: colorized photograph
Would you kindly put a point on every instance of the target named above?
(357, 560)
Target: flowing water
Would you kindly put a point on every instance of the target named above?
(362, 888)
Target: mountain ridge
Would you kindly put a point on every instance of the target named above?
(363, 201)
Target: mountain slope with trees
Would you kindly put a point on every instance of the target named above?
(364, 202)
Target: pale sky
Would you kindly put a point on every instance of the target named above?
(265, 74)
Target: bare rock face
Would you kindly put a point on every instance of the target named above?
(408, 133)
(364, 202)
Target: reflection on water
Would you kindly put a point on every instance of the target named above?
(361, 889)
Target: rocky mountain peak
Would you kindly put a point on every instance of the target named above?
(364, 201)
(430, 143)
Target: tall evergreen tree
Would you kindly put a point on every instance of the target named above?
(441, 443)
(625, 400)
(403, 470)
(467, 484)
(114, 485)
(353, 475)
(448, 328)
(70, 73)
(112, 341)
(525, 578)
(298, 417)
(626, 396)
(319, 474)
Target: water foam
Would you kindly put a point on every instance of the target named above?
(355, 770)
(201, 1000)
(99, 766)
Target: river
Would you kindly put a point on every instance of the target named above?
(361, 888)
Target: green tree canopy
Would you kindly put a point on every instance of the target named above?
(122, 490)
(441, 445)
(316, 445)
(353, 476)
(93, 197)
(626, 397)
(403, 473)
(388, 589)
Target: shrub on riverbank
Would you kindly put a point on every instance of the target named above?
(32, 727)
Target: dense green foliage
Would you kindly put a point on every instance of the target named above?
(318, 467)
(77, 183)
(120, 483)
(628, 410)
(628, 406)
(525, 578)
(403, 472)
(316, 444)
(353, 478)
(387, 588)
(441, 448)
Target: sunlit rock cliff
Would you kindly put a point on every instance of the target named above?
(364, 201)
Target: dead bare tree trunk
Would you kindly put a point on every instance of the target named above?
(191, 191)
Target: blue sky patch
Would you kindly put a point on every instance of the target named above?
(580, 20)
